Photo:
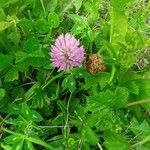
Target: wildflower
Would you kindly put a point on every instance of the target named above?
(95, 64)
(67, 53)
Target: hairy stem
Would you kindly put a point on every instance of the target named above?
(52, 79)
(138, 102)
(66, 123)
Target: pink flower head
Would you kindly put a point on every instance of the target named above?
(67, 53)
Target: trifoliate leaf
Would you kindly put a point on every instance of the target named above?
(53, 20)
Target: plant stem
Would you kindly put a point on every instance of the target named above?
(138, 102)
(99, 146)
(52, 79)
(66, 123)
(43, 8)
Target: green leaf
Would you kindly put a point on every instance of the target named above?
(14, 37)
(89, 135)
(78, 28)
(115, 141)
(31, 91)
(4, 25)
(4, 3)
(31, 44)
(26, 112)
(2, 93)
(11, 139)
(121, 96)
(52, 5)
(53, 20)
(119, 22)
(40, 99)
(20, 56)
(5, 147)
(40, 142)
(133, 87)
(15, 140)
(144, 88)
(114, 99)
(18, 145)
(12, 75)
(80, 24)
(14, 109)
(28, 145)
(90, 34)
(142, 129)
(38, 62)
(92, 82)
(104, 118)
(42, 26)
(78, 4)
(5, 61)
(30, 115)
(69, 83)
(26, 25)
(2, 14)
(77, 18)
(92, 8)
(36, 116)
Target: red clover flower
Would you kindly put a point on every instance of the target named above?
(66, 52)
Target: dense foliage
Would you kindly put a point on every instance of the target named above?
(41, 108)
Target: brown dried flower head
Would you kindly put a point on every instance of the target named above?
(95, 64)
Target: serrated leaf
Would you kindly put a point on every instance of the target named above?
(114, 99)
(12, 75)
(31, 44)
(103, 118)
(142, 128)
(144, 88)
(27, 25)
(89, 135)
(42, 26)
(14, 37)
(37, 61)
(20, 56)
(101, 79)
(115, 141)
(133, 87)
